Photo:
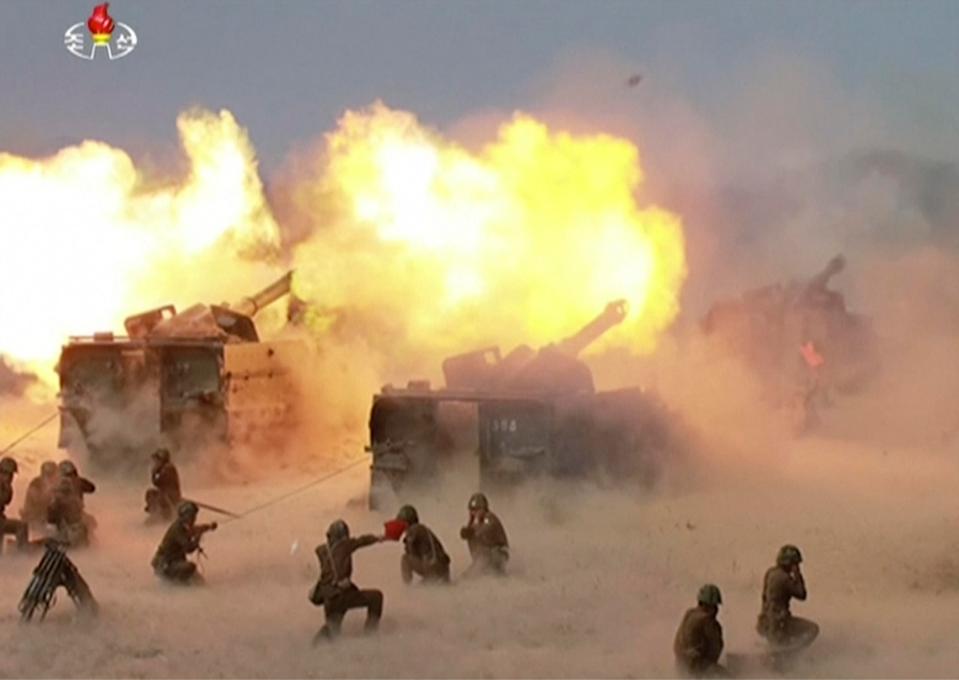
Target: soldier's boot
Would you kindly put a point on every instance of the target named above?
(374, 609)
(183, 572)
(324, 634)
(330, 629)
(440, 573)
(801, 633)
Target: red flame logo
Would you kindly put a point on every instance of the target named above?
(100, 22)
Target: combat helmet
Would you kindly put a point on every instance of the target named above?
(8, 465)
(337, 531)
(48, 469)
(162, 455)
(788, 555)
(478, 501)
(408, 514)
(187, 509)
(709, 594)
(67, 468)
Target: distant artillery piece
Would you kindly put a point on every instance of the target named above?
(799, 339)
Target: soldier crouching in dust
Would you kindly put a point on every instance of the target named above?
(699, 640)
(81, 487)
(785, 633)
(423, 553)
(486, 538)
(8, 468)
(164, 497)
(67, 516)
(181, 539)
(335, 589)
(40, 495)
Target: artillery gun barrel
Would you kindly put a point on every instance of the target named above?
(254, 303)
(833, 267)
(612, 315)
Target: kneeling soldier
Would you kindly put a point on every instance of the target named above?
(335, 590)
(180, 540)
(699, 640)
(485, 537)
(423, 553)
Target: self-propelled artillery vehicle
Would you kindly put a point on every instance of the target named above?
(801, 342)
(183, 380)
(505, 419)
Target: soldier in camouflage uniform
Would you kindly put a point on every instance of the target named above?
(8, 469)
(335, 590)
(181, 539)
(699, 640)
(66, 514)
(776, 623)
(486, 538)
(40, 495)
(423, 553)
(164, 497)
(81, 487)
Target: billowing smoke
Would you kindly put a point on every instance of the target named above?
(13, 381)
(89, 238)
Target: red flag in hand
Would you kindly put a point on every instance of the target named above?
(393, 530)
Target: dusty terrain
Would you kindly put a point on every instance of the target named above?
(599, 578)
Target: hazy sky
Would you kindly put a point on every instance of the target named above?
(288, 69)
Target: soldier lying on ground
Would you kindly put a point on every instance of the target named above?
(335, 590)
(162, 500)
(181, 539)
(783, 582)
(423, 553)
(8, 469)
(40, 495)
(486, 538)
(699, 640)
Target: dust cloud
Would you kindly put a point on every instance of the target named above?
(599, 577)
(14, 381)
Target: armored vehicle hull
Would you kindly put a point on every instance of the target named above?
(503, 420)
(185, 382)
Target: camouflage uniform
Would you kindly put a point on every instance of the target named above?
(699, 643)
(699, 639)
(424, 555)
(8, 468)
(181, 539)
(486, 538)
(66, 514)
(163, 499)
(81, 487)
(335, 590)
(776, 622)
(40, 495)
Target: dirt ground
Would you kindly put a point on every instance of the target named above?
(599, 577)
